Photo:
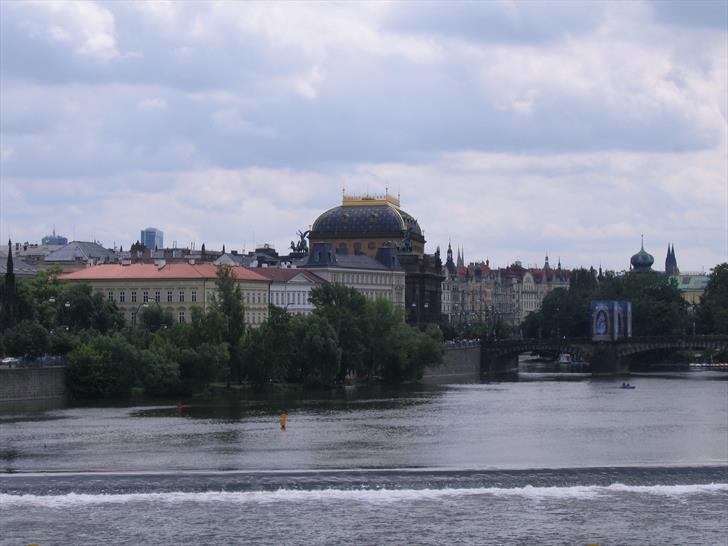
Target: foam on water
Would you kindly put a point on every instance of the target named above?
(377, 496)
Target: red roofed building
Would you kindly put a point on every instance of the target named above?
(177, 287)
(478, 294)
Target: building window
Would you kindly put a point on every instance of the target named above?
(194, 296)
(181, 316)
(169, 296)
(111, 295)
(157, 296)
(133, 296)
(122, 296)
(371, 245)
(133, 318)
(145, 296)
(181, 296)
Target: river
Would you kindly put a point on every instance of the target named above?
(549, 459)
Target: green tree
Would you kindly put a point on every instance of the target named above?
(208, 327)
(381, 318)
(103, 367)
(203, 365)
(712, 312)
(345, 310)
(28, 337)
(229, 303)
(154, 318)
(658, 308)
(317, 358)
(657, 305)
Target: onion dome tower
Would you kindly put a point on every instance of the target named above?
(642, 261)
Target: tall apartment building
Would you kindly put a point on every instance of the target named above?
(152, 238)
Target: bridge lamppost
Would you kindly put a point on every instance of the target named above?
(135, 313)
(64, 310)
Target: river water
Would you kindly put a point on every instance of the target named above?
(550, 459)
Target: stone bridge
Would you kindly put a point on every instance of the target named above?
(605, 358)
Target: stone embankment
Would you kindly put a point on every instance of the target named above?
(20, 384)
(461, 365)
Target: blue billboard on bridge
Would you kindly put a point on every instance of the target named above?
(611, 320)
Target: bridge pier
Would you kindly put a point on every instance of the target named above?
(606, 360)
(498, 367)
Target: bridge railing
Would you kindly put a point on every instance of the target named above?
(552, 342)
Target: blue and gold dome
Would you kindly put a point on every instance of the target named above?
(365, 223)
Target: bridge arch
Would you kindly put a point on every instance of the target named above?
(605, 357)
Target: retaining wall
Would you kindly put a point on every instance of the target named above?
(461, 365)
(17, 384)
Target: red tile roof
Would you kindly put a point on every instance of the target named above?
(153, 272)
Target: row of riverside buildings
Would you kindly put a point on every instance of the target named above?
(368, 243)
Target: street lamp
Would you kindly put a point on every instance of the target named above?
(558, 336)
(136, 312)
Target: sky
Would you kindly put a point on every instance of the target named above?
(512, 129)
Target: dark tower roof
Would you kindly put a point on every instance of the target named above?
(449, 263)
(642, 261)
(671, 261)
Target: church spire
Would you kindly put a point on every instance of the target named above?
(8, 308)
(671, 261)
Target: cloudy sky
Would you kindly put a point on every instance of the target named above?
(511, 128)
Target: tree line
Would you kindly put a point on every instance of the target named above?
(346, 336)
(658, 307)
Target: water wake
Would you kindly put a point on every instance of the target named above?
(374, 496)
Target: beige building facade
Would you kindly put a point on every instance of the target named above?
(175, 287)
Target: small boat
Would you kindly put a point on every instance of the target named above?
(565, 359)
(627, 386)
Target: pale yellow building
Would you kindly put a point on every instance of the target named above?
(692, 286)
(177, 287)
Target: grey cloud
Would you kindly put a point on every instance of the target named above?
(148, 57)
(525, 21)
(699, 13)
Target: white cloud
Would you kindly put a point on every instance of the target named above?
(568, 131)
(231, 121)
(89, 26)
(152, 104)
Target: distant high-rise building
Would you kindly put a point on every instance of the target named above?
(152, 238)
(54, 239)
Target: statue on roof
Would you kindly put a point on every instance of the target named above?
(406, 245)
(302, 244)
